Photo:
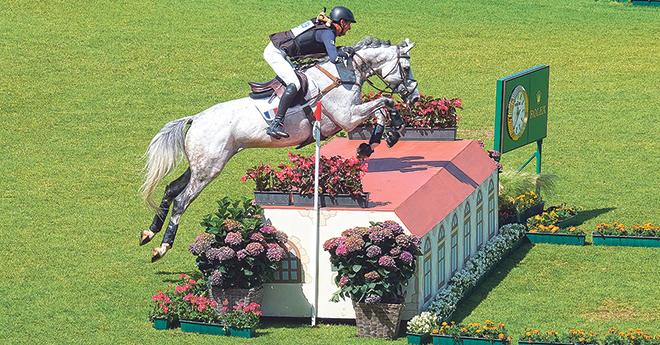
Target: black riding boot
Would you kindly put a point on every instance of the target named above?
(276, 130)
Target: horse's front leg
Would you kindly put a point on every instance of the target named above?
(365, 150)
(360, 113)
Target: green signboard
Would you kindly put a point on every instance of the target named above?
(522, 109)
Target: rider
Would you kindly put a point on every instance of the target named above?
(311, 37)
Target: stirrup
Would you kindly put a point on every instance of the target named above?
(277, 130)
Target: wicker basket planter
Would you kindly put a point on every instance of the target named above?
(235, 296)
(379, 320)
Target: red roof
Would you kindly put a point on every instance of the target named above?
(421, 181)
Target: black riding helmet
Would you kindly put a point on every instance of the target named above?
(340, 12)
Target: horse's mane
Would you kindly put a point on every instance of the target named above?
(365, 43)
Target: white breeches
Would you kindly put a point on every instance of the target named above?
(277, 60)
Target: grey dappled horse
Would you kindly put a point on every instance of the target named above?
(218, 133)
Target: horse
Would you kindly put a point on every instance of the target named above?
(216, 134)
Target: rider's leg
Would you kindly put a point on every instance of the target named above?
(277, 128)
(277, 60)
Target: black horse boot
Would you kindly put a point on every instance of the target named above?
(276, 129)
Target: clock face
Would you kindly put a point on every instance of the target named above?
(518, 112)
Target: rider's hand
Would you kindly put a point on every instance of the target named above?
(340, 58)
(350, 51)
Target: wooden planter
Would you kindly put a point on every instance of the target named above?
(273, 198)
(408, 134)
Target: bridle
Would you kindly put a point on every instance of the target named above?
(388, 86)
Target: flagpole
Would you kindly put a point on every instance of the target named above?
(317, 227)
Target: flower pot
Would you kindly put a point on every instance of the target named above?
(630, 241)
(439, 339)
(418, 339)
(554, 238)
(235, 296)
(380, 320)
(408, 134)
(161, 324)
(273, 198)
(203, 327)
(241, 332)
(338, 200)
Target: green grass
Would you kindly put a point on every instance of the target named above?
(559, 287)
(84, 86)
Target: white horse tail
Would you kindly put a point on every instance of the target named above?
(165, 151)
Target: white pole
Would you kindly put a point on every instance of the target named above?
(317, 227)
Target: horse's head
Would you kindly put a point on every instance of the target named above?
(391, 63)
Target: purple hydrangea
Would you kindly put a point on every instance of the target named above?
(372, 275)
(373, 251)
(257, 237)
(395, 251)
(234, 238)
(378, 234)
(254, 248)
(201, 244)
(216, 278)
(281, 237)
(275, 253)
(354, 243)
(341, 250)
(267, 229)
(407, 257)
(232, 225)
(372, 300)
(241, 254)
(387, 261)
(330, 244)
(392, 226)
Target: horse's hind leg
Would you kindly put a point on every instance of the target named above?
(198, 181)
(172, 190)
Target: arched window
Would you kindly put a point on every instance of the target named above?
(289, 269)
(480, 219)
(441, 257)
(492, 215)
(427, 270)
(454, 244)
(467, 232)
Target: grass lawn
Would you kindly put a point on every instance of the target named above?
(85, 85)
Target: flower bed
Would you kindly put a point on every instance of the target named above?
(616, 234)
(474, 333)
(338, 177)
(446, 300)
(427, 112)
(555, 216)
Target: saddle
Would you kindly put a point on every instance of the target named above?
(276, 87)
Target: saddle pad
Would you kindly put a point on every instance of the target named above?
(268, 106)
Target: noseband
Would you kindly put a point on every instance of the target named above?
(388, 86)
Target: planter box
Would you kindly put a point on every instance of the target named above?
(570, 221)
(522, 342)
(408, 134)
(379, 320)
(203, 327)
(161, 324)
(543, 237)
(241, 332)
(645, 3)
(442, 340)
(340, 200)
(418, 339)
(630, 241)
(273, 198)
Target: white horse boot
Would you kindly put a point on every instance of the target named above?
(276, 130)
(146, 236)
(159, 252)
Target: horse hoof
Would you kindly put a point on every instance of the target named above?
(392, 137)
(159, 252)
(364, 150)
(145, 237)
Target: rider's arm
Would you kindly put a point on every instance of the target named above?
(328, 39)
